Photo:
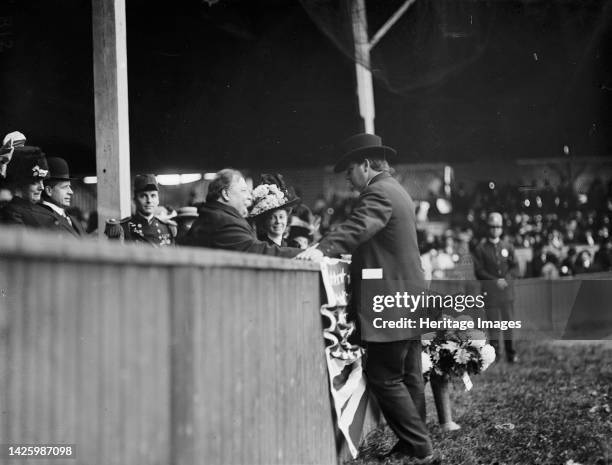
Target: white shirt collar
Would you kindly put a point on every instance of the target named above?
(60, 211)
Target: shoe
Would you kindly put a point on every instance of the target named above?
(450, 426)
(404, 451)
(429, 460)
(400, 449)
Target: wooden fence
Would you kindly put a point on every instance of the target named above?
(148, 356)
(578, 307)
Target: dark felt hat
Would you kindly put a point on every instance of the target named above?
(28, 165)
(300, 227)
(360, 147)
(58, 169)
(145, 182)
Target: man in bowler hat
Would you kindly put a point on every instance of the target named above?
(143, 226)
(381, 235)
(56, 197)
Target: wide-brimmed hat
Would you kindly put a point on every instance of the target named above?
(58, 169)
(28, 165)
(187, 212)
(359, 147)
(270, 195)
(11, 141)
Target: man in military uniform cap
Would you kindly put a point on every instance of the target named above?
(144, 226)
(495, 265)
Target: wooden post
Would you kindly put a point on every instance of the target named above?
(363, 46)
(365, 91)
(111, 107)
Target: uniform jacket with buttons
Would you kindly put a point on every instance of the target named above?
(493, 262)
(156, 232)
(380, 234)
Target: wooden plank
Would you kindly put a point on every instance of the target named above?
(20, 242)
(111, 110)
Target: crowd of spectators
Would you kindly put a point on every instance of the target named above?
(566, 233)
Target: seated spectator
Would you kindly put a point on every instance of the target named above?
(537, 262)
(584, 263)
(184, 219)
(144, 226)
(550, 269)
(25, 176)
(603, 257)
(222, 223)
(300, 233)
(272, 204)
(56, 198)
(567, 265)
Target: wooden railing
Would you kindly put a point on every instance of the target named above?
(150, 356)
(576, 307)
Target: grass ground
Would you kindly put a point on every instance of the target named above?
(552, 408)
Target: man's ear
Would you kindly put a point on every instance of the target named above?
(47, 190)
(366, 164)
(224, 195)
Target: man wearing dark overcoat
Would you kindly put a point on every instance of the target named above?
(222, 223)
(57, 196)
(380, 233)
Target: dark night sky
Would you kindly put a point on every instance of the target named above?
(252, 83)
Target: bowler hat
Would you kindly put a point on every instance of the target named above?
(28, 165)
(58, 169)
(145, 182)
(359, 147)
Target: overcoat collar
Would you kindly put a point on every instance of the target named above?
(215, 205)
(379, 176)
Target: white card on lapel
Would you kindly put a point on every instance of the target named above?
(372, 273)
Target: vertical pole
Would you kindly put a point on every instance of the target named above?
(365, 91)
(111, 110)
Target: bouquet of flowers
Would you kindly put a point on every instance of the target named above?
(455, 353)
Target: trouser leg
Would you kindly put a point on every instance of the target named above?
(413, 376)
(493, 312)
(507, 314)
(387, 378)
